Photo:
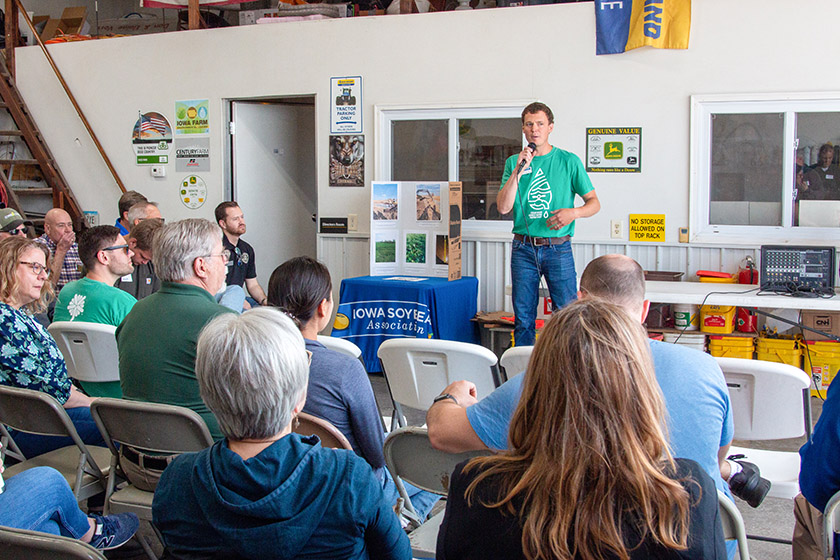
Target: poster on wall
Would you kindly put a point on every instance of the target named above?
(614, 150)
(192, 116)
(346, 105)
(411, 229)
(151, 139)
(193, 192)
(192, 154)
(347, 160)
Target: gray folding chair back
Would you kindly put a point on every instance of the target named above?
(831, 525)
(89, 350)
(733, 525)
(410, 457)
(515, 360)
(329, 435)
(85, 468)
(31, 545)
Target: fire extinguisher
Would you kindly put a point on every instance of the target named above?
(748, 275)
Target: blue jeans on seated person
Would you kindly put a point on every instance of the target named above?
(39, 499)
(557, 265)
(32, 445)
(421, 501)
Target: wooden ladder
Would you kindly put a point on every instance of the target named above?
(39, 155)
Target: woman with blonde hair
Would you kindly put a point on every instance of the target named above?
(588, 474)
(29, 357)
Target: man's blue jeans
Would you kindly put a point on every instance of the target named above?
(39, 499)
(557, 265)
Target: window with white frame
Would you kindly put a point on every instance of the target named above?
(453, 144)
(765, 167)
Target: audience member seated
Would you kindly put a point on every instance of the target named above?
(11, 223)
(39, 499)
(60, 239)
(264, 492)
(699, 414)
(588, 473)
(819, 480)
(157, 339)
(94, 299)
(145, 210)
(339, 389)
(242, 269)
(127, 200)
(143, 281)
(29, 357)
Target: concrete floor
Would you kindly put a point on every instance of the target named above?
(773, 518)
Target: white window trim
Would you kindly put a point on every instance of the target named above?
(702, 107)
(384, 115)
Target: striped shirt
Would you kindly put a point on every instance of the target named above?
(71, 268)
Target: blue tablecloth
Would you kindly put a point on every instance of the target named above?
(372, 309)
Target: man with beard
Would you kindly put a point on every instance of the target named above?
(242, 270)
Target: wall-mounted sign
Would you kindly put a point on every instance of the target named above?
(193, 192)
(151, 139)
(347, 161)
(614, 149)
(192, 116)
(192, 154)
(333, 225)
(647, 227)
(346, 105)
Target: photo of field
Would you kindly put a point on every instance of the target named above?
(385, 201)
(386, 247)
(428, 202)
(415, 248)
(441, 249)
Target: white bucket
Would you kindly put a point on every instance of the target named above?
(695, 340)
(686, 316)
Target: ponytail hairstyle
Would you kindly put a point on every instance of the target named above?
(298, 286)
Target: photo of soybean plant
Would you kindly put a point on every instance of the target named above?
(386, 248)
(415, 248)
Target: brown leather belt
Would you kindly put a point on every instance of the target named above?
(540, 241)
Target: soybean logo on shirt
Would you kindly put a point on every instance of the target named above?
(539, 196)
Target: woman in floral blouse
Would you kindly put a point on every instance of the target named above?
(29, 357)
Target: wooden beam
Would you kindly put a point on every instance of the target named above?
(11, 33)
(195, 15)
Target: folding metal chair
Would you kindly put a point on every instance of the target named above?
(17, 543)
(733, 525)
(35, 412)
(329, 435)
(831, 525)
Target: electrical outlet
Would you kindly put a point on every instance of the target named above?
(616, 229)
(352, 222)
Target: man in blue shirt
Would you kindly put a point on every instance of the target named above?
(697, 399)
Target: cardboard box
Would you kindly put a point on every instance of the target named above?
(826, 321)
(454, 230)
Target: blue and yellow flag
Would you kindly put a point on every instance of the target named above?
(621, 25)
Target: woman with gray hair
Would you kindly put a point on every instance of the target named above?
(263, 491)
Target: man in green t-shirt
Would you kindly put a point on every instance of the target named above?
(94, 299)
(540, 184)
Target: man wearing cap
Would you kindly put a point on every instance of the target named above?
(94, 299)
(60, 239)
(11, 223)
(241, 269)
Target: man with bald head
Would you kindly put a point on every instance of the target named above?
(60, 239)
(697, 399)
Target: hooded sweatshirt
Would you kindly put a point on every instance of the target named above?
(293, 500)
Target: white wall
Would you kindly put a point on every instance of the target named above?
(461, 58)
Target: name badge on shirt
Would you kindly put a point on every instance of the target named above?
(126, 278)
(829, 176)
(148, 281)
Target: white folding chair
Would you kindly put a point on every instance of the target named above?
(733, 525)
(417, 369)
(89, 350)
(410, 457)
(831, 525)
(769, 401)
(341, 345)
(515, 360)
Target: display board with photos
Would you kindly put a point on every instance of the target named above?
(415, 229)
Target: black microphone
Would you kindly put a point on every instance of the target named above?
(533, 148)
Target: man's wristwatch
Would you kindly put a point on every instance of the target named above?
(443, 397)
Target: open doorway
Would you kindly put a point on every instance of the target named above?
(272, 163)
